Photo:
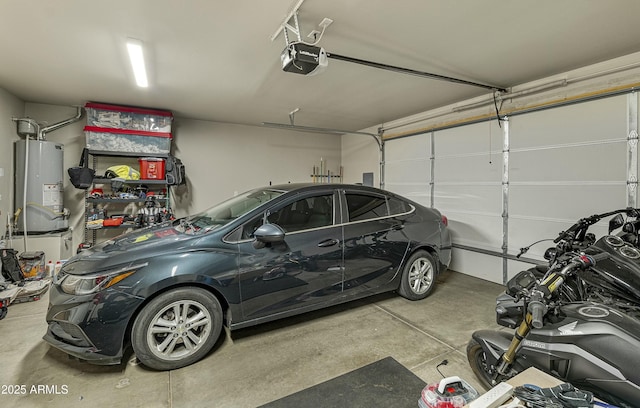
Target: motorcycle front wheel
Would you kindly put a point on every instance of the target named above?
(484, 371)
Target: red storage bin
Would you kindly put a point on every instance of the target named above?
(151, 168)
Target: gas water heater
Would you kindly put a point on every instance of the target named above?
(39, 172)
(44, 186)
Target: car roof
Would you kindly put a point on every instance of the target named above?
(292, 187)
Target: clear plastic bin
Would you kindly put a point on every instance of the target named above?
(128, 118)
(130, 141)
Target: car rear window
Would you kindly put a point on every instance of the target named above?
(365, 207)
(397, 206)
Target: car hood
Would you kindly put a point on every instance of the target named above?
(130, 248)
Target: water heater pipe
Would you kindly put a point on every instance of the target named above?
(24, 193)
(56, 126)
(27, 135)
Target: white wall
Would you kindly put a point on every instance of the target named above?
(10, 107)
(223, 159)
(565, 163)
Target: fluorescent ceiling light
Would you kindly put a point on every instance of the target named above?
(136, 56)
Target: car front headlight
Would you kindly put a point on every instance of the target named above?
(95, 282)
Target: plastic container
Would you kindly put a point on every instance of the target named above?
(128, 141)
(450, 392)
(128, 118)
(151, 168)
(57, 267)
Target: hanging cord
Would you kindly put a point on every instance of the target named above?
(495, 104)
(490, 141)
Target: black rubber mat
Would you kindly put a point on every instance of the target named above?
(385, 383)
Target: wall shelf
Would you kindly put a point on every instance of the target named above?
(92, 203)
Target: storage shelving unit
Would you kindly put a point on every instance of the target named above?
(92, 202)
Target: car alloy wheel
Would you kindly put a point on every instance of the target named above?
(177, 328)
(418, 276)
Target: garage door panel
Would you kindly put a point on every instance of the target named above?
(470, 139)
(602, 119)
(469, 169)
(419, 193)
(479, 231)
(477, 199)
(565, 201)
(407, 171)
(595, 162)
(476, 264)
(416, 147)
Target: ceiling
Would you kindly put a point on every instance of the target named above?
(214, 60)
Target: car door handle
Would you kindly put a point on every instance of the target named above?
(274, 273)
(327, 243)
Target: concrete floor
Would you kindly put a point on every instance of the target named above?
(257, 365)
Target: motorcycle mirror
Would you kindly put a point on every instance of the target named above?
(616, 222)
(550, 253)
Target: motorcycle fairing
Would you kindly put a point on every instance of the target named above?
(588, 351)
(494, 343)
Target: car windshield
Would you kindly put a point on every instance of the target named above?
(228, 210)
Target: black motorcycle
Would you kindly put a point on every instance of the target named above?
(594, 346)
(616, 280)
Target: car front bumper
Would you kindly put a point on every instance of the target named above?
(91, 327)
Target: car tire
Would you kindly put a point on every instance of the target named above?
(418, 276)
(162, 340)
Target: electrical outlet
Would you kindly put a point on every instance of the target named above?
(326, 22)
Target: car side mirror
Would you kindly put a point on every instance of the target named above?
(616, 222)
(267, 234)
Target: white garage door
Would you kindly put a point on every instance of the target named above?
(563, 164)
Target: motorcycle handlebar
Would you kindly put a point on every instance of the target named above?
(583, 262)
(537, 305)
(586, 222)
(537, 310)
(599, 257)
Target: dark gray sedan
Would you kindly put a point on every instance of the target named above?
(263, 255)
